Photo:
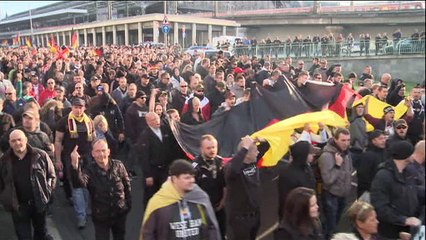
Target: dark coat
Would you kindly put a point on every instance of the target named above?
(43, 179)
(393, 199)
(369, 162)
(285, 231)
(155, 153)
(109, 190)
(107, 107)
(297, 174)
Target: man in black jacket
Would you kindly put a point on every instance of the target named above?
(109, 187)
(156, 152)
(210, 177)
(370, 160)
(394, 199)
(298, 173)
(27, 178)
(243, 196)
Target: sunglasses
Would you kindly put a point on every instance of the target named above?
(8, 93)
(401, 127)
(184, 86)
(78, 88)
(318, 78)
(50, 83)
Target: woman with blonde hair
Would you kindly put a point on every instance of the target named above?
(102, 131)
(364, 220)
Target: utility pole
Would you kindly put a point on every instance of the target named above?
(165, 7)
(216, 8)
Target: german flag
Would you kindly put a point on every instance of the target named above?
(74, 40)
(29, 42)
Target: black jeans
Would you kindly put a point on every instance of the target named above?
(23, 219)
(244, 226)
(117, 226)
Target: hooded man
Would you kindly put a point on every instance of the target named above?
(298, 173)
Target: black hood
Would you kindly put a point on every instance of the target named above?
(299, 152)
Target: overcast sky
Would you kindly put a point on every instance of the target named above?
(12, 7)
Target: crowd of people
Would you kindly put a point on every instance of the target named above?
(90, 120)
(327, 45)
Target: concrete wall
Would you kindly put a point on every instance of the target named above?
(292, 30)
(407, 68)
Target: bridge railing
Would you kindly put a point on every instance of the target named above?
(335, 49)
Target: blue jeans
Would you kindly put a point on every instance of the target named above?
(333, 209)
(81, 200)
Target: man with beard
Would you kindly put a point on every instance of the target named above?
(210, 177)
(203, 68)
(230, 100)
(205, 102)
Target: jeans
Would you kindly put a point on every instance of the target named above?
(24, 217)
(81, 200)
(333, 209)
(117, 226)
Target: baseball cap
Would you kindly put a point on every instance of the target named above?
(400, 122)
(60, 88)
(30, 113)
(401, 150)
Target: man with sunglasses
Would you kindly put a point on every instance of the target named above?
(48, 93)
(400, 132)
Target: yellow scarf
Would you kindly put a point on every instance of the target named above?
(72, 125)
(167, 195)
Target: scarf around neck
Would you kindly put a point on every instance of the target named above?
(72, 125)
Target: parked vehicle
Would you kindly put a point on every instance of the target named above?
(213, 53)
(196, 49)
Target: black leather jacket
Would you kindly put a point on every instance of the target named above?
(109, 190)
(43, 179)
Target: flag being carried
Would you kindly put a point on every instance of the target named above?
(74, 39)
(29, 42)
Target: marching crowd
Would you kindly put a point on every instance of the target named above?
(90, 120)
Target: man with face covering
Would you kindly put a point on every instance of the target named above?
(298, 173)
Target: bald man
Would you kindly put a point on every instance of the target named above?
(157, 150)
(27, 178)
(416, 170)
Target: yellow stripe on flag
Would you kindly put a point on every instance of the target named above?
(279, 134)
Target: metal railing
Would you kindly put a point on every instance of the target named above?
(309, 50)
